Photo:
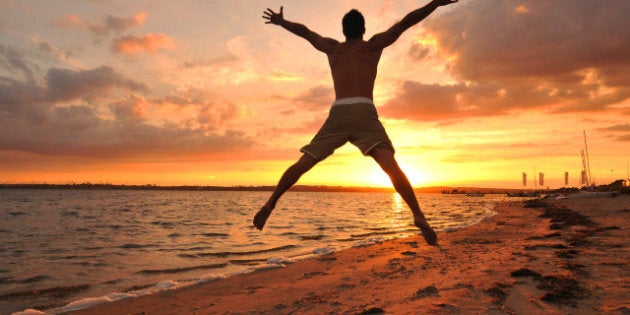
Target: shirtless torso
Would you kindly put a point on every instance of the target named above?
(354, 66)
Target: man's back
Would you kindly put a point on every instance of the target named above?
(354, 66)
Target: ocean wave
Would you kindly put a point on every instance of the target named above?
(245, 253)
(312, 237)
(247, 262)
(390, 232)
(38, 278)
(137, 246)
(215, 234)
(185, 269)
(57, 292)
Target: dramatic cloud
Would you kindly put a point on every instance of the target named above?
(33, 119)
(559, 56)
(131, 44)
(545, 39)
(78, 131)
(62, 85)
(65, 85)
(430, 102)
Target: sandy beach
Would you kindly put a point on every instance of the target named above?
(537, 257)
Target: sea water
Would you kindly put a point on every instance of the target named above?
(92, 246)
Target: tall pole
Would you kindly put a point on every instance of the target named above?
(584, 174)
(588, 162)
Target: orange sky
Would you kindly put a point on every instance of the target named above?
(204, 93)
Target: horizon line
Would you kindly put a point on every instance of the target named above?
(331, 188)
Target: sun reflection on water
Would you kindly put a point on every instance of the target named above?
(398, 204)
(399, 213)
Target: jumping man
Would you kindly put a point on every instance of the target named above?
(352, 117)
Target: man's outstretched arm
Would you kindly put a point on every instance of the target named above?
(320, 43)
(382, 40)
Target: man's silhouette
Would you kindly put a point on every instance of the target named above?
(353, 117)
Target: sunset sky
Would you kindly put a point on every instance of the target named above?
(202, 92)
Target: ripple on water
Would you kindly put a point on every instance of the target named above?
(137, 246)
(246, 253)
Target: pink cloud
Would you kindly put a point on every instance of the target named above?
(110, 24)
(131, 44)
(69, 21)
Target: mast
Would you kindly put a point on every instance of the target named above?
(588, 162)
(584, 174)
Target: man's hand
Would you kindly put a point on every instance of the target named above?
(444, 2)
(273, 17)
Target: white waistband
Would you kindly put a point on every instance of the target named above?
(353, 100)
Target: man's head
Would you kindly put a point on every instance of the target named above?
(353, 24)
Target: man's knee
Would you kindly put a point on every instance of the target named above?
(384, 156)
(305, 163)
(382, 149)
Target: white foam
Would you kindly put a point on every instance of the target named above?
(81, 304)
(29, 311)
(368, 242)
(167, 285)
(281, 260)
(210, 277)
(323, 250)
(119, 296)
(89, 302)
(84, 303)
(160, 286)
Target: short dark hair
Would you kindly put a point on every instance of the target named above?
(353, 24)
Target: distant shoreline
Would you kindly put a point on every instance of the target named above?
(297, 188)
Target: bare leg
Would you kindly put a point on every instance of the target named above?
(385, 158)
(288, 179)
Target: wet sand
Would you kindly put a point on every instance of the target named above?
(538, 257)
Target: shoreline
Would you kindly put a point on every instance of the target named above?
(552, 256)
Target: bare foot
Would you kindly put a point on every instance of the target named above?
(261, 217)
(427, 232)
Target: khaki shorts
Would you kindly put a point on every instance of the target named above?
(357, 123)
